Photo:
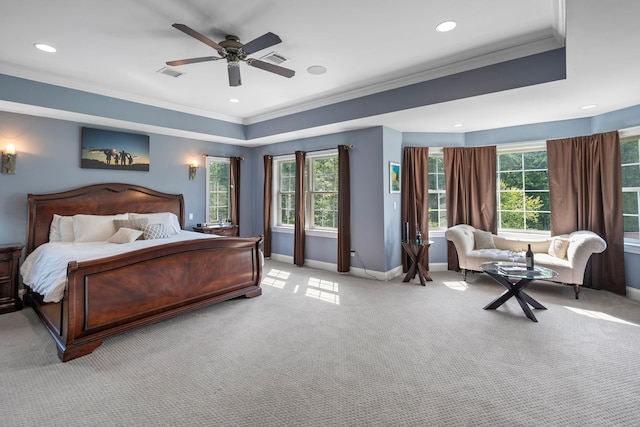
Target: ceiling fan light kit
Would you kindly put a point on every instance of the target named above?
(234, 51)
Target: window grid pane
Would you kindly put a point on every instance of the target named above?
(630, 157)
(437, 195)
(218, 191)
(523, 191)
(286, 193)
(321, 198)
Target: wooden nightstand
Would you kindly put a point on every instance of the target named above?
(9, 262)
(228, 230)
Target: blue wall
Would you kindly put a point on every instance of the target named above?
(49, 161)
(367, 217)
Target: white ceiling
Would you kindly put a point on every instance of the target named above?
(116, 47)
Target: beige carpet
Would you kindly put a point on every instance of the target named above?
(323, 349)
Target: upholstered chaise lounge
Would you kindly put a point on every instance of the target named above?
(567, 254)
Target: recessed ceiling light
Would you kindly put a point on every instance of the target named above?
(234, 100)
(445, 26)
(457, 125)
(589, 106)
(316, 69)
(45, 47)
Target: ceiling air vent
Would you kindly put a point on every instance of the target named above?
(169, 72)
(275, 58)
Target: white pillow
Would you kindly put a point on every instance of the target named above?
(170, 220)
(558, 247)
(61, 229)
(125, 235)
(94, 228)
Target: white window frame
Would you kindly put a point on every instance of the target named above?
(517, 148)
(209, 160)
(636, 190)
(310, 230)
(438, 152)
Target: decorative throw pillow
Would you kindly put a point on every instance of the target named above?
(558, 247)
(136, 224)
(125, 235)
(155, 231)
(170, 220)
(484, 240)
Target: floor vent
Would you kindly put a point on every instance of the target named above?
(275, 58)
(169, 72)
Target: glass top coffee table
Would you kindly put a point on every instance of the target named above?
(515, 277)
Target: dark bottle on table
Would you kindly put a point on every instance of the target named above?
(529, 258)
(418, 238)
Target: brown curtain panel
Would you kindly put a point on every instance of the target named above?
(234, 193)
(585, 189)
(470, 183)
(344, 210)
(266, 207)
(298, 236)
(415, 196)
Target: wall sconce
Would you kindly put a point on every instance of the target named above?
(9, 160)
(193, 169)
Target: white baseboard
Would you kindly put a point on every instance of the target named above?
(633, 293)
(355, 271)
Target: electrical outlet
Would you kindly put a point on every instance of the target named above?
(353, 252)
(190, 216)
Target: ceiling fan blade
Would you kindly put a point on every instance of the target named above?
(193, 60)
(285, 72)
(196, 35)
(234, 74)
(260, 43)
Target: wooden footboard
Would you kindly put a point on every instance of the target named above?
(116, 294)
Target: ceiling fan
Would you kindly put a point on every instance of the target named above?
(233, 51)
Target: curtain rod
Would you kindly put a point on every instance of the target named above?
(349, 147)
(222, 157)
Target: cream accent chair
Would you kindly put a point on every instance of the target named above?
(566, 254)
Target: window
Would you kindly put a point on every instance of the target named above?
(523, 191)
(437, 194)
(217, 188)
(630, 157)
(321, 192)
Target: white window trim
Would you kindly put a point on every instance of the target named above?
(208, 161)
(289, 229)
(519, 148)
(437, 152)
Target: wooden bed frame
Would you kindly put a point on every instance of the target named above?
(112, 295)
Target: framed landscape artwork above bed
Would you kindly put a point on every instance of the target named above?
(106, 149)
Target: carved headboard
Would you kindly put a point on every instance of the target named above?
(99, 199)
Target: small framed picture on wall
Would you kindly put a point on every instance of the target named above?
(394, 177)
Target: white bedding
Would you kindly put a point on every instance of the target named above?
(45, 269)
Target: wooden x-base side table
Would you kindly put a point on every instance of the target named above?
(416, 253)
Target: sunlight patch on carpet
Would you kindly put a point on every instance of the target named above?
(599, 315)
(324, 290)
(457, 285)
(276, 278)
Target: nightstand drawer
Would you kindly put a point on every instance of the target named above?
(9, 262)
(220, 230)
